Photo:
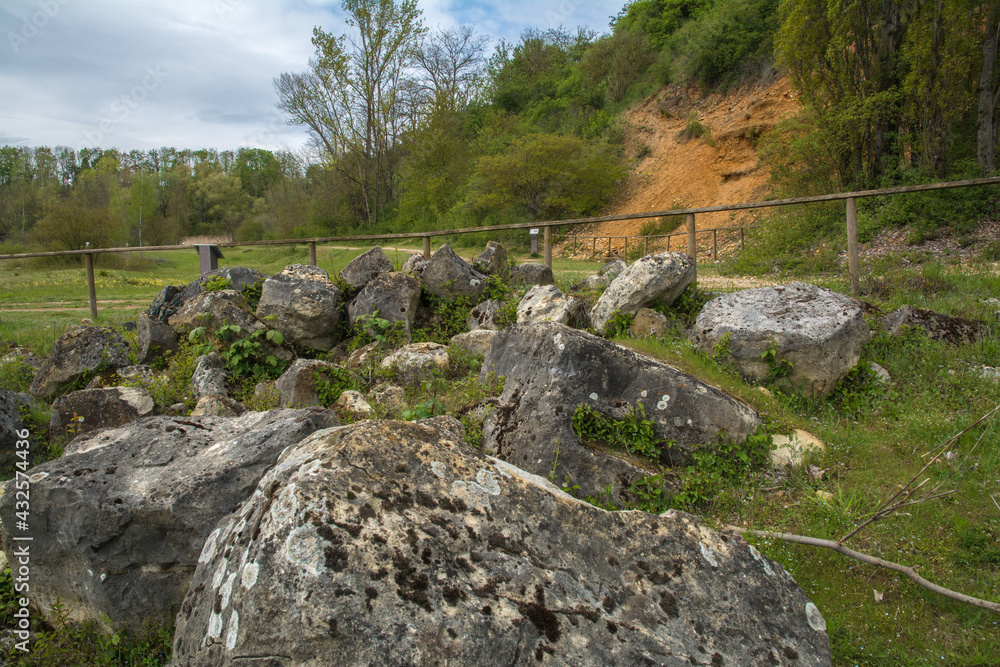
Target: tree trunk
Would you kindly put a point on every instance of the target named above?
(986, 132)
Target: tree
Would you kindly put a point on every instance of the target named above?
(257, 170)
(989, 92)
(451, 64)
(351, 99)
(548, 176)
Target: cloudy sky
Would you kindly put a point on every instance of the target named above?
(194, 73)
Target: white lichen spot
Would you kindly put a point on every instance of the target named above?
(104, 575)
(475, 282)
(665, 397)
(227, 590)
(593, 396)
(562, 346)
(438, 469)
(643, 393)
(305, 549)
(38, 476)
(815, 618)
(471, 493)
(709, 555)
(701, 390)
(662, 405)
(760, 559)
(90, 572)
(689, 422)
(215, 625)
(488, 481)
(220, 573)
(249, 577)
(232, 630)
(285, 505)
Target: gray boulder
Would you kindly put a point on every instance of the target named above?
(531, 273)
(209, 376)
(485, 315)
(493, 261)
(213, 309)
(304, 304)
(11, 422)
(297, 385)
(217, 406)
(653, 278)
(650, 324)
(448, 276)
(80, 412)
(78, 351)
(239, 278)
(364, 267)
(819, 332)
(119, 520)
(155, 338)
(414, 264)
(394, 296)
(954, 330)
(395, 543)
(165, 303)
(602, 278)
(417, 361)
(474, 342)
(546, 303)
(550, 370)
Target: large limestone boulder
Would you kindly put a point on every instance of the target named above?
(653, 278)
(239, 278)
(78, 351)
(417, 361)
(546, 303)
(83, 411)
(297, 386)
(819, 332)
(954, 330)
(550, 370)
(493, 261)
(213, 309)
(364, 267)
(602, 278)
(448, 276)
(119, 520)
(304, 304)
(165, 303)
(395, 543)
(209, 377)
(11, 423)
(485, 315)
(394, 296)
(414, 264)
(155, 338)
(531, 273)
(474, 342)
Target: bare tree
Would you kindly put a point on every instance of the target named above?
(450, 63)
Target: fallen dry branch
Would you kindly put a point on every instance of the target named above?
(872, 560)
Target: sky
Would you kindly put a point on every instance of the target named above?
(141, 74)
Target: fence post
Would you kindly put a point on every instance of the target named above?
(852, 246)
(743, 241)
(625, 251)
(668, 242)
(312, 254)
(609, 246)
(692, 244)
(594, 251)
(427, 247)
(645, 245)
(548, 246)
(91, 287)
(715, 245)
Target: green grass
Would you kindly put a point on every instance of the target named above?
(875, 436)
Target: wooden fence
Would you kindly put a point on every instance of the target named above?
(690, 231)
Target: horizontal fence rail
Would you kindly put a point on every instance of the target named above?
(689, 213)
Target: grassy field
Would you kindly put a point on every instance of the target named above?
(877, 438)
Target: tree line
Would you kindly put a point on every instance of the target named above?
(418, 128)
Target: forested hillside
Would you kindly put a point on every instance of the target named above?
(417, 127)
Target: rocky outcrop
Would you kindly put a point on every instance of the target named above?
(297, 385)
(84, 411)
(213, 309)
(417, 361)
(304, 304)
(155, 338)
(360, 271)
(654, 278)
(954, 330)
(414, 264)
(492, 261)
(11, 422)
(531, 273)
(815, 333)
(546, 303)
(78, 351)
(394, 296)
(165, 303)
(209, 376)
(448, 276)
(119, 520)
(552, 369)
(395, 543)
(353, 403)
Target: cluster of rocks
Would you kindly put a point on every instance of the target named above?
(285, 533)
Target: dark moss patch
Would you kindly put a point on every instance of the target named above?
(546, 622)
(668, 603)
